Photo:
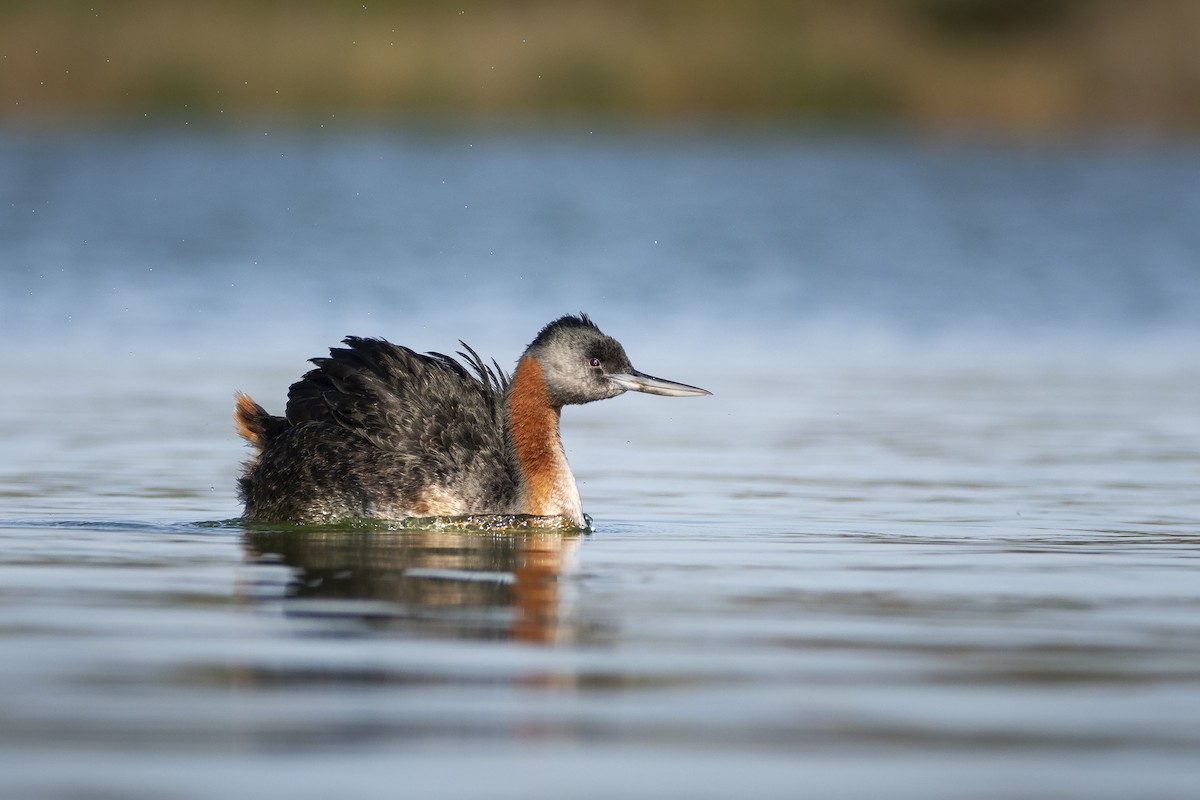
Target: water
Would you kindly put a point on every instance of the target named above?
(934, 535)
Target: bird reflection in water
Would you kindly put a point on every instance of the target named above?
(468, 584)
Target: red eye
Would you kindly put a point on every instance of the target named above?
(595, 362)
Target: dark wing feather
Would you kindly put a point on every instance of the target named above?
(427, 406)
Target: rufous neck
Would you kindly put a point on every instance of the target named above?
(548, 485)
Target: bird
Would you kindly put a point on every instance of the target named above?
(377, 431)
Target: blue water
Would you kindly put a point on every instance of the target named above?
(934, 535)
(120, 232)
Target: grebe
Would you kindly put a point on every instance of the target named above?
(378, 431)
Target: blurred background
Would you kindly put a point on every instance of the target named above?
(1012, 66)
(910, 165)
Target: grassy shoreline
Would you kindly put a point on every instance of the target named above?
(1048, 66)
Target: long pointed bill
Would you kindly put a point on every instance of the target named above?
(641, 382)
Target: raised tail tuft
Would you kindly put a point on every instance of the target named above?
(254, 424)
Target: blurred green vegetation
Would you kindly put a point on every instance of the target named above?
(1019, 65)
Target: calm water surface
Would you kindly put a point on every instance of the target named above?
(936, 534)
